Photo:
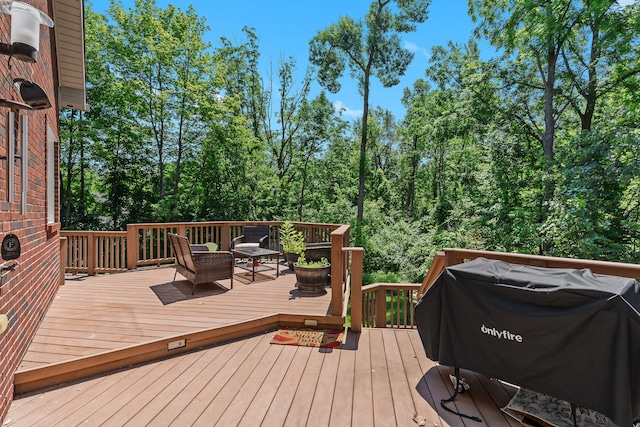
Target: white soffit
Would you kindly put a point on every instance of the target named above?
(68, 18)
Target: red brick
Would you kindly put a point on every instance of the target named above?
(29, 289)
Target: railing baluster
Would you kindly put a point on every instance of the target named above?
(143, 244)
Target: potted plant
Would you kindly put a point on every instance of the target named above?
(292, 242)
(312, 276)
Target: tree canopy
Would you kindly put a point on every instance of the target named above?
(530, 147)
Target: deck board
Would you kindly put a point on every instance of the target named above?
(380, 384)
(320, 410)
(193, 388)
(298, 412)
(423, 403)
(251, 382)
(343, 395)
(363, 399)
(278, 409)
(265, 394)
(379, 377)
(400, 389)
(107, 312)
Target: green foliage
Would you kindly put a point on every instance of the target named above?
(532, 150)
(380, 277)
(291, 239)
(304, 263)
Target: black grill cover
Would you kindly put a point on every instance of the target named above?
(566, 333)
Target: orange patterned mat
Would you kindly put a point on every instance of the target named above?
(324, 338)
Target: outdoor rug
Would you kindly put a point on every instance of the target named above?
(180, 290)
(323, 338)
(536, 409)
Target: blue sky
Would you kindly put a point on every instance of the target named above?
(284, 28)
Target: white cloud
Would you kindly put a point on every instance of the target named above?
(339, 107)
(625, 2)
(415, 48)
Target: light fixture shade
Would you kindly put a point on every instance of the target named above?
(32, 94)
(25, 28)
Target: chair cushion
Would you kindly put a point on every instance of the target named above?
(246, 245)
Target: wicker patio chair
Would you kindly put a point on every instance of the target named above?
(317, 251)
(201, 267)
(253, 236)
(204, 247)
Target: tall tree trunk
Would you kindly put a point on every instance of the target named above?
(586, 118)
(82, 207)
(553, 52)
(411, 190)
(549, 118)
(363, 147)
(66, 198)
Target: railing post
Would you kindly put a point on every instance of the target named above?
(450, 257)
(357, 257)
(225, 237)
(92, 255)
(337, 274)
(63, 258)
(132, 246)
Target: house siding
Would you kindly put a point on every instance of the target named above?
(27, 291)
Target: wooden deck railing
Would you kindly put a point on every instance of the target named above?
(94, 252)
(391, 305)
(379, 305)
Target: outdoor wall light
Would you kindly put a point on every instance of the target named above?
(25, 29)
(25, 40)
(32, 94)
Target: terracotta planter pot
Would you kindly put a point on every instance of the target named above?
(312, 280)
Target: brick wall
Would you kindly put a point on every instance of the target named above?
(26, 292)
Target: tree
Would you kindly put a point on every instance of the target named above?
(552, 53)
(320, 125)
(160, 55)
(602, 57)
(283, 140)
(243, 78)
(370, 48)
(413, 147)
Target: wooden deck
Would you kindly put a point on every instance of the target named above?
(93, 314)
(380, 378)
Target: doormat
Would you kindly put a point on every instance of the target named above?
(535, 409)
(323, 338)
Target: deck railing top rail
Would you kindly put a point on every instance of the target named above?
(148, 243)
(451, 256)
